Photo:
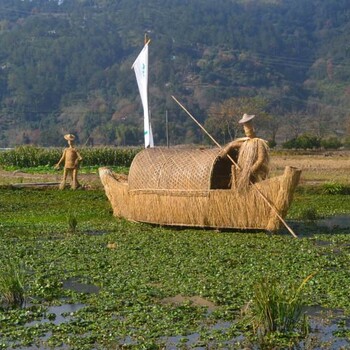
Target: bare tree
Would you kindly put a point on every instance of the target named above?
(223, 117)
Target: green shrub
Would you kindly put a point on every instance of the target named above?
(335, 188)
(272, 143)
(331, 143)
(304, 141)
(346, 142)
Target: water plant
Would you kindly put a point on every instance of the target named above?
(309, 214)
(335, 188)
(150, 264)
(72, 223)
(12, 280)
(277, 310)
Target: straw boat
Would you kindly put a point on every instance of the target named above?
(192, 187)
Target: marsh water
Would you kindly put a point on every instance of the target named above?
(325, 324)
(339, 221)
(321, 335)
(328, 224)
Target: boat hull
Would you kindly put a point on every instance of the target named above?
(260, 207)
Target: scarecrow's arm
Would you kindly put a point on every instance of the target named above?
(57, 166)
(236, 144)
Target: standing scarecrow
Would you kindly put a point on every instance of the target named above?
(71, 159)
(252, 164)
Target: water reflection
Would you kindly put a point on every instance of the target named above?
(339, 221)
(75, 284)
(307, 227)
(62, 314)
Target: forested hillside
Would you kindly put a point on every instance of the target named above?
(65, 66)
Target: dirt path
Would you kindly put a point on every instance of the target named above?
(88, 181)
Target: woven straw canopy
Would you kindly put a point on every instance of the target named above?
(179, 169)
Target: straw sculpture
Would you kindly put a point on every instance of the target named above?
(250, 133)
(252, 151)
(192, 188)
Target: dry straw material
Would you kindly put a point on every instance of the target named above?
(192, 188)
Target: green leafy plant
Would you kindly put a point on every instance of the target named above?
(304, 141)
(331, 143)
(72, 224)
(12, 279)
(335, 188)
(277, 310)
(309, 214)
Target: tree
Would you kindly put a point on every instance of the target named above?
(223, 118)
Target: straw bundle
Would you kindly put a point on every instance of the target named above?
(253, 162)
(203, 208)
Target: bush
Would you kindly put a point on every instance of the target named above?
(331, 143)
(272, 143)
(304, 141)
(335, 188)
(346, 142)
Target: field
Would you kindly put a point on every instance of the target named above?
(92, 281)
(318, 167)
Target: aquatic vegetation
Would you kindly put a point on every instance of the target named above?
(72, 223)
(12, 281)
(325, 205)
(335, 188)
(309, 214)
(278, 311)
(131, 268)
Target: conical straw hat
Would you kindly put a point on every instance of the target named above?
(246, 118)
(69, 137)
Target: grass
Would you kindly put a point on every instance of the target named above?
(72, 223)
(149, 264)
(278, 310)
(12, 280)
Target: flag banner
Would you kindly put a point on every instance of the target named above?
(140, 67)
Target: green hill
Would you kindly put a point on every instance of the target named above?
(65, 66)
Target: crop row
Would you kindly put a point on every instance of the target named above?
(31, 156)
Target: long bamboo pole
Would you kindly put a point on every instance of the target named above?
(237, 166)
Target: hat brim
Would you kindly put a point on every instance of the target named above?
(69, 137)
(246, 118)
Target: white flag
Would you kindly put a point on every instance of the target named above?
(141, 71)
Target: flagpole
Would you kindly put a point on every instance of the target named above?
(167, 128)
(140, 67)
(237, 166)
(147, 40)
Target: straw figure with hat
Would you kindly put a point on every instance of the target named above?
(252, 164)
(71, 159)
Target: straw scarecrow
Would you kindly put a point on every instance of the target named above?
(71, 159)
(253, 158)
